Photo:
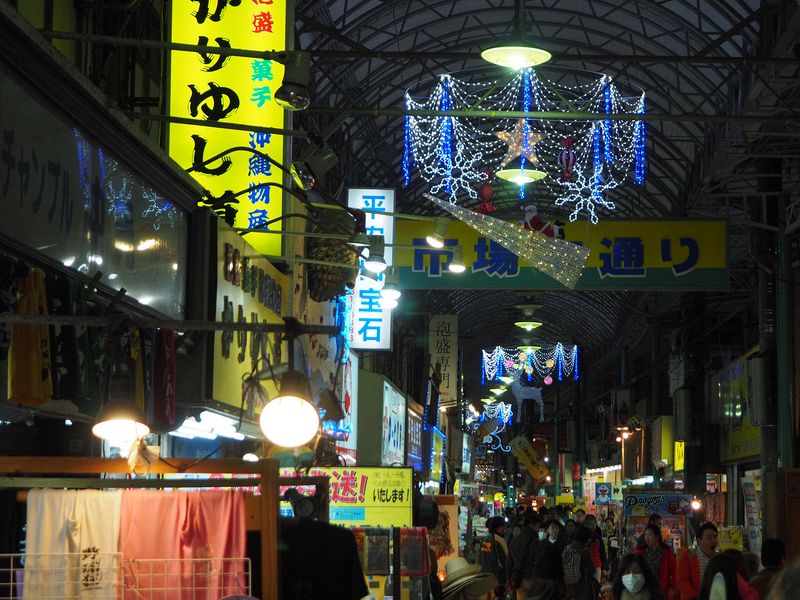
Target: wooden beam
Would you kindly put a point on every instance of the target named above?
(269, 529)
(63, 465)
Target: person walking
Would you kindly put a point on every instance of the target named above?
(522, 552)
(635, 580)
(555, 534)
(493, 555)
(726, 566)
(596, 547)
(661, 560)
(773, 559)
(576, 559)
(692, 563)
(548, 580)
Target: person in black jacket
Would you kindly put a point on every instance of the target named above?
(522, 553)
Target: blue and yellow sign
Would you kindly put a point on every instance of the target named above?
(626, 254)
(230, 90)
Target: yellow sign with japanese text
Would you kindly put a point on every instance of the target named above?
(249, 289)
(527, 456)
(363, 496)
(230, 90)
(680, 448)
(626, 254)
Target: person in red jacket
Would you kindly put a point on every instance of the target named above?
(661, 561)
(692, 563)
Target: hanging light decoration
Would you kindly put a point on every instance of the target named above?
(544, 362)
(579, 162)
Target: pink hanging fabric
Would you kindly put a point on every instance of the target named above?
(201, 527)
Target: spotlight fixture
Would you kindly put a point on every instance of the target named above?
(359, 239)
(314, 161)
(456, 264)
(120, 419)
(375, 262)
(436, 239)
(290, 420)
(250, 457)
(528, 325)
(391, 289)
(293, 93)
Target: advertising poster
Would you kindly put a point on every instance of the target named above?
(675, 510)
(393, 445)
(414, 441)
(437, 454)
(362, 496)
(602, 494)
(752, 513)
(348, 394)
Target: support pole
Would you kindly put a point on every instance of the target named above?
(785, 343)
(556, 455)
(654, 406)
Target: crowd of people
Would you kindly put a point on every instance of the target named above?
(546, 556)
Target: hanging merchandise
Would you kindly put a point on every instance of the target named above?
(30, 369)
(578, 161)
(71, 541)
(414, 556)
(440, 540)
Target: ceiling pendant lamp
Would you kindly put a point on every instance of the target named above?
(516, 53)
(290, 420)
(120, 420)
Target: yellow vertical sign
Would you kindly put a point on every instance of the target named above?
(230, 90)
(679, 455)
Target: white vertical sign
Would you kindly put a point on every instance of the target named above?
(443, 349)
(349, 398)
(372, 324)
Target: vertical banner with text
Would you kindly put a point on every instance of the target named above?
(372, 323)
(230, 90)
(443, 349)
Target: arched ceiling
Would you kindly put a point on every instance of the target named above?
(686, 55)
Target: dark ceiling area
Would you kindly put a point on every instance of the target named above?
(718, 117)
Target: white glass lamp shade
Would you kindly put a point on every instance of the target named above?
(290, 420)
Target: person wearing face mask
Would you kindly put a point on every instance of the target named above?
(635, 580)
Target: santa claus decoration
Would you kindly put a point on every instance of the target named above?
(534, 222)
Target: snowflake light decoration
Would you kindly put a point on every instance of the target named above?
(453, 153)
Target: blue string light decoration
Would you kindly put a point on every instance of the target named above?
(526, 128)
(406, 150)
(575, 372)
(608, 147)
(446, 137)
(640, 137)
(561, 365)
(529, 356)
(454, 153)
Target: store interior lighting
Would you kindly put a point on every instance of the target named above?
(209, 426)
